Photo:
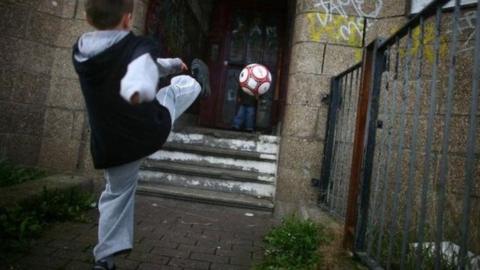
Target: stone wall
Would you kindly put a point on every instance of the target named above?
(42, 114)
(328, 38)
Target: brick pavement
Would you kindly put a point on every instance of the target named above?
(169, 235)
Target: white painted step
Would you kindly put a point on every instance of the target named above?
(255, 189)
(210, 172)
(214, 163)
(206, 196)
(259, 166)
(217, 151)
(260, 144)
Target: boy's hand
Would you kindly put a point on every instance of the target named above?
(135, 99)
(184, 67)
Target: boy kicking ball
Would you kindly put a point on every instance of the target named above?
(129, 118)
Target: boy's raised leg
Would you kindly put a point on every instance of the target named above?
(179, 95)
(184, 90)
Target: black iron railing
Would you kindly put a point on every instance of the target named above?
(413, 162)
(339, 140)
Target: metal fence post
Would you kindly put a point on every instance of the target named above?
(370, 135)
(361, 170)
(359, 145)
(329, 138)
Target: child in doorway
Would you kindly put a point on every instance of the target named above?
(246, 113)
(129, 118)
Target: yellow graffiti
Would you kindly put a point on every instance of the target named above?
(428, 44)
(336, 28)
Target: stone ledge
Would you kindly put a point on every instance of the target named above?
(18, 193)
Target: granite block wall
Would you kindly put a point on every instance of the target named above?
(328, 38)
(43, 120)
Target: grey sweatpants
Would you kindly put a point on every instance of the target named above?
(116, 204)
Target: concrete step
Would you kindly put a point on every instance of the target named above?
(257, 166)
(217, 151)
(260, 144)
(210, 172)
(256, 189)
(206, 196)
(227, 134)
(208, 161)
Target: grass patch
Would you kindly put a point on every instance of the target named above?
(26, 221)
(294, 245)
(12, 175)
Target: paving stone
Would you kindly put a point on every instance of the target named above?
(149, 266)
(42, 262)
(205, 250)
(221, 266)
(214, 244)
(241, 261)
(245, 247)
(73, 254)
(186, 263)
(76, 265)
(208, 258)
(173, 245)
(179, 240)
(165, 243)
(122, 263)
(170, 252)
(147, 257)
(233, 253)
(66, 244)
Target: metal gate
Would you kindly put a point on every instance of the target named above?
(414, 171)
(343, 100)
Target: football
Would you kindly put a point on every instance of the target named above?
(255, 79)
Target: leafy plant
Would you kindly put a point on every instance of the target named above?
(21, 224)
(12, 175)
(293, 245)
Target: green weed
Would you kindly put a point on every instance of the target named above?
(293, 245)
(12, 175)
(20, 224)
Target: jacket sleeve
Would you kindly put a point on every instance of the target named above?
(145, 70)
(141, 77)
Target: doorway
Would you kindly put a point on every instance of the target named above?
(228, 35)
(242, 33)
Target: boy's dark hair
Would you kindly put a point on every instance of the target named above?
(107, 14)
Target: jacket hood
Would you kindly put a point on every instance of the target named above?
(93, 43)
(96, 50)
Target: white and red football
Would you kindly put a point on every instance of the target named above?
(255, 79)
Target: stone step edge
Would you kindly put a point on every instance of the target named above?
(228, 134)
(230, 163)
(222, 152)
(253, 189)
(226, 163)
(204, 196)
(266, 147)
(210, 172)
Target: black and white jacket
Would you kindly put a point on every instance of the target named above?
(112, 66)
